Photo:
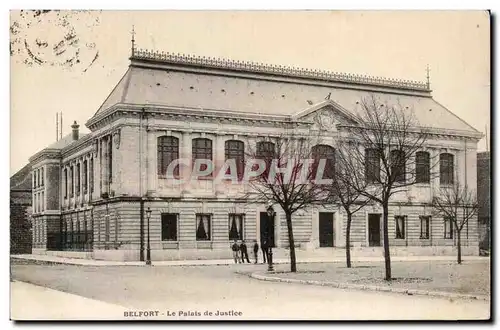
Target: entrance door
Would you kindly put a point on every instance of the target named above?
(266, 229)
(374, 230)
(325, 229)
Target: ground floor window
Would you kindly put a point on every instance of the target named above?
(400, 227)
(448, 228)
(168, 227)
(424, 227)
(203, 227)
(236, 226)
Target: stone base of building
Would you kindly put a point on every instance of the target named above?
(323, 254)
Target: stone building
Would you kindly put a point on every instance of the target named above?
(20, 211)
(91, 193)
(483, 198)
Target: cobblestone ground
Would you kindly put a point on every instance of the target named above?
(218, 288)
(471, 277)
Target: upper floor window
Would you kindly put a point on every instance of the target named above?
(41, 176)
(85, 176)
(235, 149)
(65, 183)
(72, 186)
(423, 167)
(322, 151)
(110, 162)
(35, 184)
(398, 165)
(91, 174)
(446, 168)
(266, 151)
(202, 149)
(372, 165)
(78, 179)
(168, 151)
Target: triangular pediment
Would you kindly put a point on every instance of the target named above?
(325, 115)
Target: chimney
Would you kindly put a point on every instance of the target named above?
(75, 130)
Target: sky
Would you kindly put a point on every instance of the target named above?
(70, 61)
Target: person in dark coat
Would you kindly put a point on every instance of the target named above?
(244, 253)
(256, 250)
(236, 248)
(264, 248)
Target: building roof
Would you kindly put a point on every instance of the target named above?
(21, 180)
(147, 82)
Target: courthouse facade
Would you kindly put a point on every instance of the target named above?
(91, 193)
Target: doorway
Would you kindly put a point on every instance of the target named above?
(325, 229)
(374, 230)
(267, 229)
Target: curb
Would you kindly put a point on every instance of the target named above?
(368, 287)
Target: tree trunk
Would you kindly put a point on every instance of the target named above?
(459, 248)
(348, 240)
(387, 254)
(291, 242)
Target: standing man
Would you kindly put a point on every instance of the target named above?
(256, 250)
(235, 249)
(264, 248)
(244, 252)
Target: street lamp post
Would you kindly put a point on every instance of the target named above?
(271, 213)
(148, 248)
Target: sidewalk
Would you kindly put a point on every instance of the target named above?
(91, 262)
(32, 302)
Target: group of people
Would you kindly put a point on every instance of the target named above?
(240, 252)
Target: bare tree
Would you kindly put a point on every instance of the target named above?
(449, 202)
(281, 171)
(345, 190)
(386, 140)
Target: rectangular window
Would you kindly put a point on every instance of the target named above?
(424, 227)
(168, 227)
(423, 168)
(448, 228)
(72, 187)
(446, 168)
(236, 225)
(41, 175)
(110, 163)
(398, 166)
(400, 226)
(372, 166)
(85, 176)
(42, 202)
(91, 176)
(203, 227)
(65, 175)
(78, 179)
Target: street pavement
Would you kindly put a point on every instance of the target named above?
(191, 292)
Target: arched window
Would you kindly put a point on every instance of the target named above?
(266, 151)
(202, 149)
(323, 151)
(423, 172)
(235, 149)
(372, 166)
(398, 165)
(446, 168)
(168, 151)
